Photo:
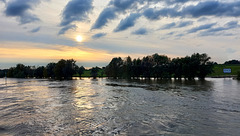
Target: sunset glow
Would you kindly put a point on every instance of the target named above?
(79, 38)
(46, 30)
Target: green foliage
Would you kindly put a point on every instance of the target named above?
(218, 70)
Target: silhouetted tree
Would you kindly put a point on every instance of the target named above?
(127, 68)
(39, 72)
(80, 70)
(114, 67)
(232, 62)
(50, 70)
(94, 72)
(65, 69)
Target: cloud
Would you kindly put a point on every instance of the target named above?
(141, 31)
(35, 30)
(214, 31)
(20, 9)
(98, 35)
(184, 24)
(115, 7)
(202, 27)
(122, 5)
(213, 8)
(3, 1)
(168, 26)
(127, 22)
(176, 25)
(153, 14)
(206, 8)
(76, 10)
(66, 28)
(232, 24)
(105, 16)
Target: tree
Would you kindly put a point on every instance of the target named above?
(232, 62)
(65, 69)
(50, 70)
(39, 72)
(94, 72)
(80, 71)
(127, 68)
(114, 67)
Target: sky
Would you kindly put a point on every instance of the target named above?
(37, 32)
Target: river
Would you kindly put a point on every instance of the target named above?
(36, 107)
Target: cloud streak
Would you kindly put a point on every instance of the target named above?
(127, 22)
(202, 27)
(105, 16)
(74, 11)
(141, 31)
(66, 28)
(98, 35)
(35, 30)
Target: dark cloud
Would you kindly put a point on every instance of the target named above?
(66, 28)
(35, 30)
(127, 22)
(76, 10)
(202, 27)
(105, 16)
(20, 9)
(141, 31)
(98, 35)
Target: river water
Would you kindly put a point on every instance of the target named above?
(120, 107)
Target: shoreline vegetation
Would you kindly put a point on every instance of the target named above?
(153, 66)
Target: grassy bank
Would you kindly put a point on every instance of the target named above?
(218, 70)
(87, 73)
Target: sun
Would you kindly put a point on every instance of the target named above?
(79, 38)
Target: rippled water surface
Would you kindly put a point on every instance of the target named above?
(119, 107)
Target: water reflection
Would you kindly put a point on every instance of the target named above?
(120, 107)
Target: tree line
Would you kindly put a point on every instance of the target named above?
(152, 66)
(160, 66)
(63, 69)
